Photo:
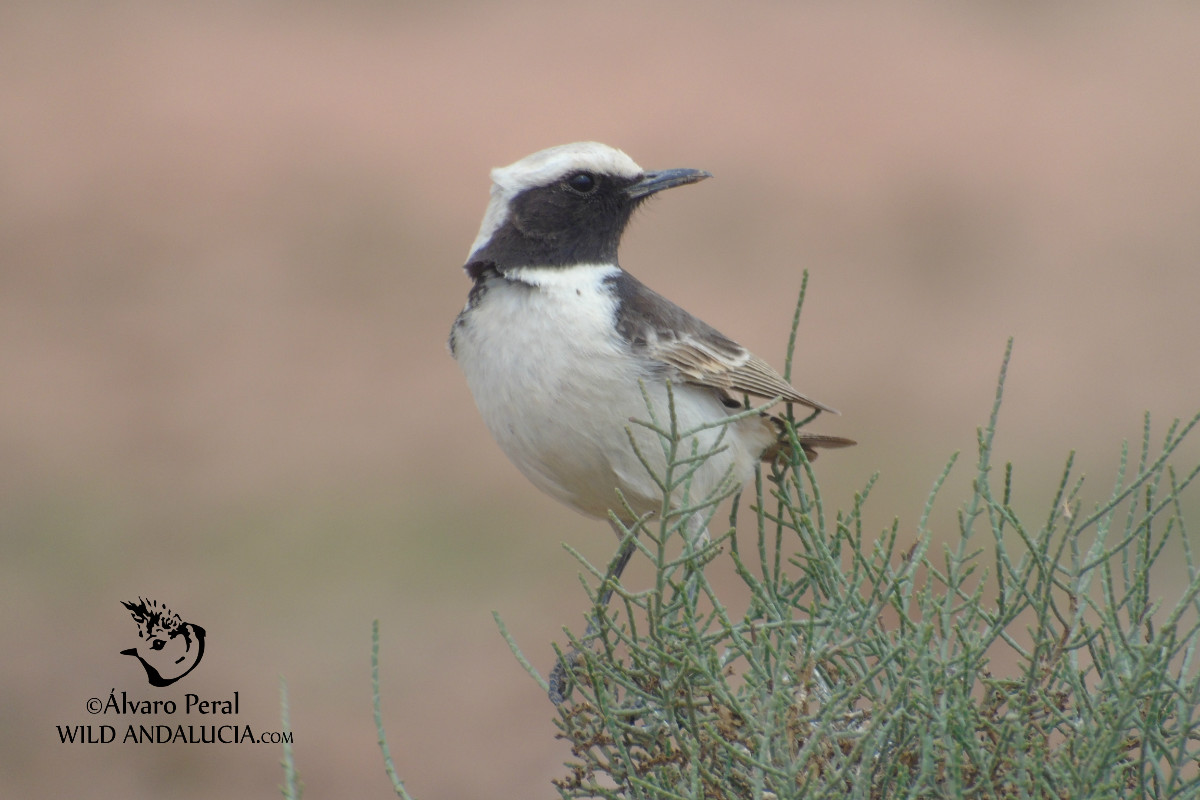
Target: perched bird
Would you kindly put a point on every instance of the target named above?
(557, 341)
(561, 347)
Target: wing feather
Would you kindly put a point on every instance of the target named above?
(665, 334)
(727, 366)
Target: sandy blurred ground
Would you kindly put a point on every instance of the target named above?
(230, 240)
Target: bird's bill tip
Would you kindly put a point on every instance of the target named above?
(652, 182)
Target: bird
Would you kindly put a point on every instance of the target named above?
(561, 346)
(564, 350)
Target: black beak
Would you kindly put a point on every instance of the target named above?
(653, 182)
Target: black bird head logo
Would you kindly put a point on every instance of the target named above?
(170, 648)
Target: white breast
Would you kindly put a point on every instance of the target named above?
(557, 388)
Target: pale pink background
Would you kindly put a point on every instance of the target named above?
(230, 240)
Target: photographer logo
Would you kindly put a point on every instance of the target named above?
(168, 648)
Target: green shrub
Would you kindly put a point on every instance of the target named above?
(862, 667)
(861, 670)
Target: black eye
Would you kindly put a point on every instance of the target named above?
(582, 182)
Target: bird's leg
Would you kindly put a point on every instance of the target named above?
(614, 573)
(558, 676)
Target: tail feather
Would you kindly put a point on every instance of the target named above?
(809, 442)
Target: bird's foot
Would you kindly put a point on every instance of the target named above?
(560, 679)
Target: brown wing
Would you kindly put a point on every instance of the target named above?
(664, 333)
(726, 365)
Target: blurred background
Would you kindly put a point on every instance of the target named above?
(230, 247)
